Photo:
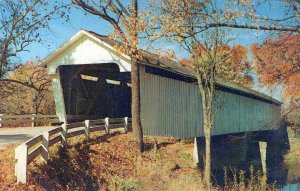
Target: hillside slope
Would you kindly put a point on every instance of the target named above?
(110, 162)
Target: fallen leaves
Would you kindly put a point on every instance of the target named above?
(103, 164)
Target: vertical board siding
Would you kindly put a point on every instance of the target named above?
(168, 107)
(173, 108)
(87, 51)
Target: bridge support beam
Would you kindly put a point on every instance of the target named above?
(198, 152)
(58, 97)
(263, 156)
(195, 153)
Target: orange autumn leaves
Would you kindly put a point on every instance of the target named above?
(233, 64)
(278, 62)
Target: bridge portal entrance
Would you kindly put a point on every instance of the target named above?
(95, 91)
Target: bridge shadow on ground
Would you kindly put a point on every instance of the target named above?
(149, 146)
(69, 169)
(238, 152)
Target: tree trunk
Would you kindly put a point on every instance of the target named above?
(135, 80)
(135, 105)
(207, 125)
(207, 168)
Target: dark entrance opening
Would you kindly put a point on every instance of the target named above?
(95, 91)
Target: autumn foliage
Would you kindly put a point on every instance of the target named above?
(108, 162)
(32, 93)
(234, 66)
(278, 63)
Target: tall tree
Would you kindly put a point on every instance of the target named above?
(185, 21)
(126, 24)
(19, 99)
(235, 67)
(20, 25)
(277, 62)
(208, 53)
(207, 59)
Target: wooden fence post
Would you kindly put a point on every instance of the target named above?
(126, 124)
(64, 134)
(33, 123)
(45, 145)
(107, 125)
(21, 154)
(1, 120)
(87, 129)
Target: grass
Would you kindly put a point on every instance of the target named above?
(111, 162)
(7, 177)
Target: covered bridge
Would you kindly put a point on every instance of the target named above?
(92, 80)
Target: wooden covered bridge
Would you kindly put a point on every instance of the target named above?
(91, 80)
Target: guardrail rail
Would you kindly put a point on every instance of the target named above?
(29, 119)
(39, 145)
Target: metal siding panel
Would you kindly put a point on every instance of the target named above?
(171, 104)
(242, 113)
(173, 108)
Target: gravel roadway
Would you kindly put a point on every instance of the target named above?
(10, 136)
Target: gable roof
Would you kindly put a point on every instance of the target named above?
(151, 59)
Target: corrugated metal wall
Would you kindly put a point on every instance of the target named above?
(172, 108)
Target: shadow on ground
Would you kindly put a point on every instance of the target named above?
(69, 169)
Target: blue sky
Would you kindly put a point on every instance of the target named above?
(61, 31)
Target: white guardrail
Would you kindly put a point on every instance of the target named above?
(39, 145)
(29, 119)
